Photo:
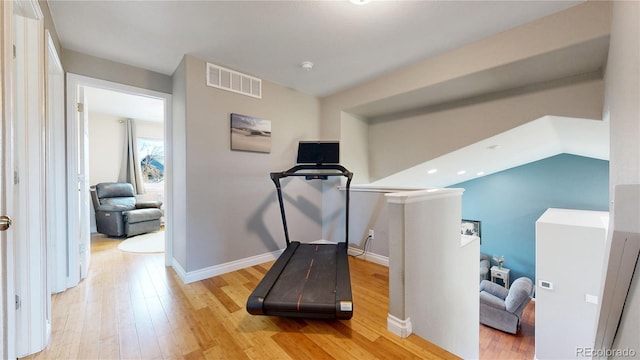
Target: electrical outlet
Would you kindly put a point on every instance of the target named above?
(371, 233)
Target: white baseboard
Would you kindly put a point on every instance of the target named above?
(201, 274)
(402, 328)
(374, 258)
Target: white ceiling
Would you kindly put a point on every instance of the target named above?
(124, 105)
(348, 43)
(535, 140)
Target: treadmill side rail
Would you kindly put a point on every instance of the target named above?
(255, 301)
(344, 301)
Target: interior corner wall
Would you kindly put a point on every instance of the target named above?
(509, 202)
(176, 159)
(230, 202)
(354, 146)
(404, 142)
(98, 68)
(622, 109)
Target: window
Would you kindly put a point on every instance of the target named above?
(151, 152)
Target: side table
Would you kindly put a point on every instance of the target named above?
(500, 273)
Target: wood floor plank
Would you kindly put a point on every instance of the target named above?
(133, 307)
(300, 347)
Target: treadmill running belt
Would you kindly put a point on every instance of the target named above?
(307, 283)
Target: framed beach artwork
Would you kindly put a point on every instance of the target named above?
(249, 133)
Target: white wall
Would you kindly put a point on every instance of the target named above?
(622, 109)
(106, 141)
(106, 144)
(433, 280)
(569, 254)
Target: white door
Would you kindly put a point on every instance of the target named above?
(32, 303)
(56, 181)
(83, 181)
(7, 292)
(78, 180)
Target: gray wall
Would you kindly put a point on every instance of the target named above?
(176, 160)
(622, 108)
(98, 68)
(230, 206)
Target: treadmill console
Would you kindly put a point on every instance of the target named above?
(318, 152)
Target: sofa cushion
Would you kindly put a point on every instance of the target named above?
(117, 204)
(140, 215)
(148, 204)
(110, 190)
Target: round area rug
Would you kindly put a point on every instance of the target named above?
(145, 243)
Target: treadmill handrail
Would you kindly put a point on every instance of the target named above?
(295, 171)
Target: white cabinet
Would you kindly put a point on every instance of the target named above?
(570, 248)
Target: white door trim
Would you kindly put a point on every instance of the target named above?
(74, 81)
(56, 186)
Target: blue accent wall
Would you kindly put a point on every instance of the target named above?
(509, 202)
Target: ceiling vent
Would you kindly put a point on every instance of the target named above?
(227, 79)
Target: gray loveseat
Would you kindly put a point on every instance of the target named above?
(119, 214)
(485, 264)
(501, 308)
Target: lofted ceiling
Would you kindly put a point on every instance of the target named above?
(347, 43)
(533, 141)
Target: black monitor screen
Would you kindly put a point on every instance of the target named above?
(318, 152)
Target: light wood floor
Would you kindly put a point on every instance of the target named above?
(132, 307)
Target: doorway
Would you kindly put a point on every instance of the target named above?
(90, 93)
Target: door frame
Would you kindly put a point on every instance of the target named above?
(7, 264)
(56, 181)
(74, 83)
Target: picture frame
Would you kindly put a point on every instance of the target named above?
(250, 133)
(471, 228)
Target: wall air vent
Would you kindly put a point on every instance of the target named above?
(227, 79)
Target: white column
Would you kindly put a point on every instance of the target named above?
(433, 277)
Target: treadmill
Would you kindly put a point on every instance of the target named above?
(308, 280)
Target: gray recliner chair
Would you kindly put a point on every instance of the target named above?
(119, 214)
(501, 308)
